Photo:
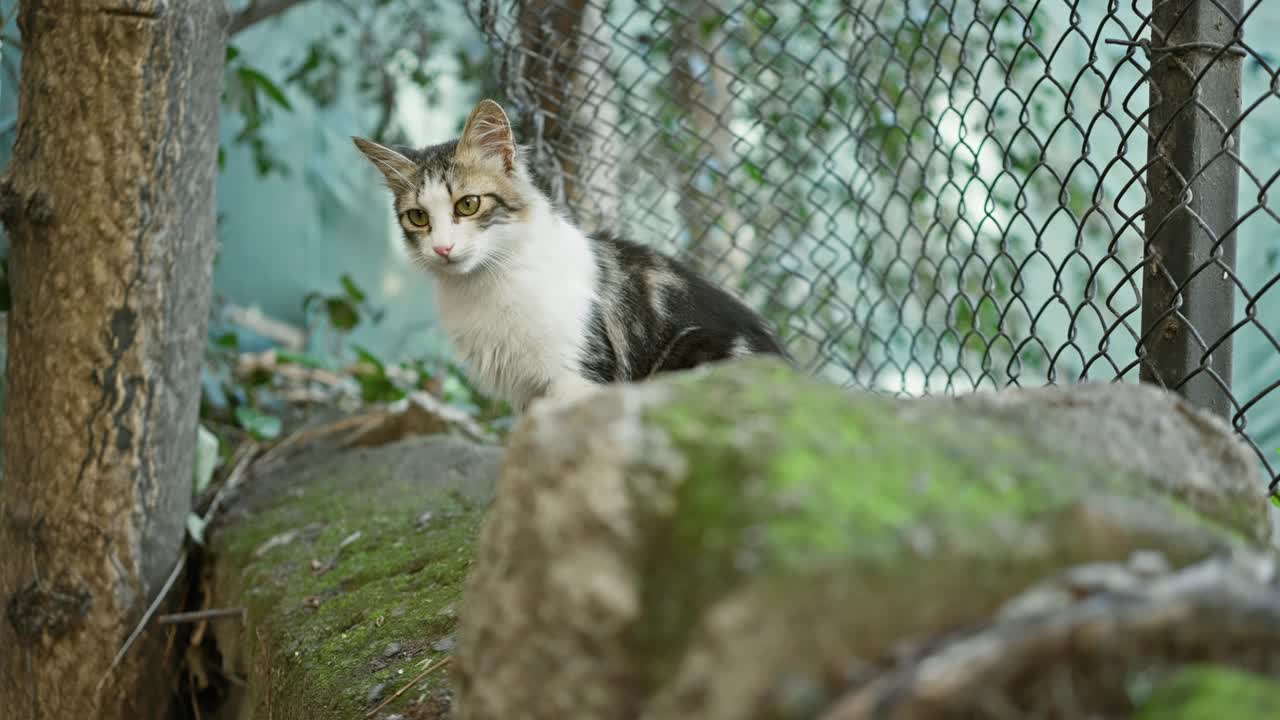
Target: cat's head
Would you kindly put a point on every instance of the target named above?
(459, 203)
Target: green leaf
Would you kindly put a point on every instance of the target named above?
(364, 354)
(285, 357)
(709, 25)
(233, 52)
(377, 388)
(342, 314)
(258, 424)
(455, 390)
(1275, 497)
(254, 79)
(353, 291)
(230, 340)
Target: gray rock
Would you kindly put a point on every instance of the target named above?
(444, 644)
(709, 543)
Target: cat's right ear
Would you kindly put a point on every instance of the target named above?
(487, 133)
(396, 168)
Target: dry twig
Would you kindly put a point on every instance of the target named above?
(430, 668)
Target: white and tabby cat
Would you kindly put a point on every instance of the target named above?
(533, 306)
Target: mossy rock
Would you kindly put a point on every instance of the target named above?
(677, 548)
(1210, 692)
(350, 565)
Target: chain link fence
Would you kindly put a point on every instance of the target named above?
(936, 196)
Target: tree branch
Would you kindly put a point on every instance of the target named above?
(259, 10)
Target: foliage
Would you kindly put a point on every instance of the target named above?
(374, 51)
(252, 393)
(344, 309)
(248, 92)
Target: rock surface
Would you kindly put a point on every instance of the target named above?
(349, 593)
(740, 541)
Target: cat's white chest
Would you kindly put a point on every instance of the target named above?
(502, 354)
(523, 333)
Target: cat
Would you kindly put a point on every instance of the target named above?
(533, 307)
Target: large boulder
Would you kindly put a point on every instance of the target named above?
(742, 541)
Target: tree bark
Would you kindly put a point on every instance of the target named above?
(109, 203)
(720, 241)
(568, 90)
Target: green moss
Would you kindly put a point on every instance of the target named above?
(898, 512)
(1207, 692)
(315, 639)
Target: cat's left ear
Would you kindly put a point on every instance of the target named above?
(488, 134)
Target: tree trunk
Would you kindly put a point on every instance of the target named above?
(720, 242)
(568, 87)
(109, 202)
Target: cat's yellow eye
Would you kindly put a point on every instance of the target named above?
(467, 205)
(416, 217)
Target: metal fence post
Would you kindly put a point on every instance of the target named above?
(1188, 294)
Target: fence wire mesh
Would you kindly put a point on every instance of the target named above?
(932, 197)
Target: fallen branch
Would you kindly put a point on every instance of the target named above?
(258, 11)
(439, 663)
(142, 624)
(1213, 610)
(198, 615)
(355, 422)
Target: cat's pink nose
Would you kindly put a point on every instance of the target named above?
(442, 250)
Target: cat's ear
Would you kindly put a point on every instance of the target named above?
(488, 134)
(395, 167)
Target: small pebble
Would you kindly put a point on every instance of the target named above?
(1149, 563)
(1097, 578)
(444, 644)
(391, 650)
(375, 693)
